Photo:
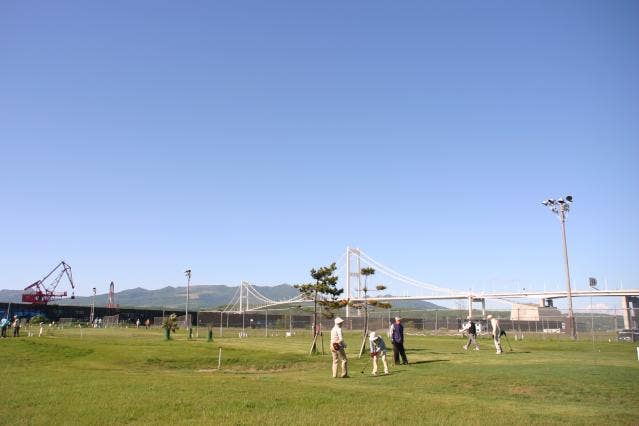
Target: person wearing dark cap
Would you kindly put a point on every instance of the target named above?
(398, 342)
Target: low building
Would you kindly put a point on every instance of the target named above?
(532, 312)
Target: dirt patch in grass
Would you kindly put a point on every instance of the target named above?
(522, 390)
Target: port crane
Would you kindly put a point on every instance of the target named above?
(42, 292)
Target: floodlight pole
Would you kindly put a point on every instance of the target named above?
(92, 308)
(560, 208)
(188, 287)
(571, 315)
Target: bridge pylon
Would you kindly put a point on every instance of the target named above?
(350, 253)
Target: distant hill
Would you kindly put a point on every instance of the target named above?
(201, 297)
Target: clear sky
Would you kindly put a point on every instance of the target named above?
(253, 140)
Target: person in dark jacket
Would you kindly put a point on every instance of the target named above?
(398, 342)
(471, 329)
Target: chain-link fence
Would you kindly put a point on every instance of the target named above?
(597, 324)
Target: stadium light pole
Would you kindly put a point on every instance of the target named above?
(560, 208)
(92, 308)
(188, 287)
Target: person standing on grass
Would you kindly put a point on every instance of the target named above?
(494, 323)
(337, 348)
(390, 329)
(398, 342)
(4, 324)
(378, 349)
(471, 329)
(16, 326)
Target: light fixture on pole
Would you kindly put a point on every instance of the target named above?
(561, 207)
(188, 287)
(92, 308)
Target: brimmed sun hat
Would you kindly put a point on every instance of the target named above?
(373, 336)
(338, 320)
(398, 318)
(489, 317)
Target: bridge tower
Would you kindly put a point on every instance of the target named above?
(352, 253)
(243, 296)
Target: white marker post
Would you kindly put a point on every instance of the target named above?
(219, 359)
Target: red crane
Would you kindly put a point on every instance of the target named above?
(41, 292)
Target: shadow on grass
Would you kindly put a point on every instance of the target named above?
(428, 361)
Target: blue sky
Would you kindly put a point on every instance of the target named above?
(254, 140)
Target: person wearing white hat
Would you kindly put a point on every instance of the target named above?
(337, 348)
(397, 339)
(378, 349)
(16, 326)
(471, 330)
(494, 323)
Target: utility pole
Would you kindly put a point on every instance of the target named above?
(188, 288)
(561, 207)
(92, 308)
(348, 280)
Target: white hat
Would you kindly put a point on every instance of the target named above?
(372, 336)
(398, 318)
(469, 317)
(489, 317)
(338, 320)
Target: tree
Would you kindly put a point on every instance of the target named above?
(170, 324)
(324, 293)
(366, 272)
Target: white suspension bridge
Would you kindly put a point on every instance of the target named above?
(400, 287)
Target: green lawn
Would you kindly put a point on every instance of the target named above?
(115, 376)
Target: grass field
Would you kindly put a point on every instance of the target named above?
(115, 376)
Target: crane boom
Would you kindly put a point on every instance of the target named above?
(41, 292)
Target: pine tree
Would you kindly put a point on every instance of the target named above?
(324, 292)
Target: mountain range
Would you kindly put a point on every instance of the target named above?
(200, 297)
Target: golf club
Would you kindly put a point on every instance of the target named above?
(503, 333)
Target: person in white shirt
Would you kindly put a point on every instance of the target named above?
(378, 349)
(337, 348)
(494, 323)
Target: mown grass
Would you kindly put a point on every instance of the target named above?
(116, 376)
